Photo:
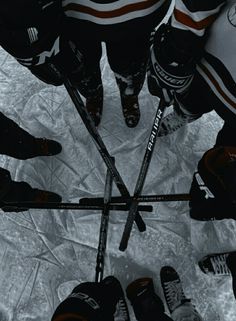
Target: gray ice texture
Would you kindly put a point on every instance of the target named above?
(45, 253)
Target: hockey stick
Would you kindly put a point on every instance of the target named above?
(142, 175)
(142, 198)
(87, 120)
(103, 241)
(24, 206)
(103, 228)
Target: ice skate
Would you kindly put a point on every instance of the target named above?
(172, 288)
(130, 108)
(180, 307)
(178, 118)
(46, 147)
(215, 264)
(14, 192)
(121, 311)
(23, 192)
(94, 106)
(20, 144)
(146, 304)
(33, 148)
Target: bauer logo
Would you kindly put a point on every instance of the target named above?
(168, 78)
(231, 14)
(152, 137)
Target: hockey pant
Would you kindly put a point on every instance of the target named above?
(201, 100)
(15, 141)
(128, 61)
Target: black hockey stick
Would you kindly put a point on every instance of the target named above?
(142, 175)
(89, 124)
(103, 228)
(121, 304)
(24, 206)
(184, 197)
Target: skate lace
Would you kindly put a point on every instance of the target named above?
(174, 294)
(219, 264)
(121, 313)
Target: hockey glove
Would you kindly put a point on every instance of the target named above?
(33, 34)
(172, 63)
(213, 189)
(93, 302)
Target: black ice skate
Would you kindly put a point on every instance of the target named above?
(45, 147)
(179, 306)
(11, 191)
(178, 118)
(30, 148)
(146, 304)
(172, 288)
(18, 143)
(216, 264)
(121, 310)
(130, 108)
(94, 106)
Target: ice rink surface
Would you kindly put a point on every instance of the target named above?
(45, 253)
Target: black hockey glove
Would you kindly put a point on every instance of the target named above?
(172, 63)
(93, 302)
(33, 34)
(213, 190)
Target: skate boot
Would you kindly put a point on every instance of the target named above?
(180, 307)
(32, 148)
(46, 147)
(130, 108)
(94, 105)
(11, 192)
(216, 264)
(18, 143)
(146, 304)
(121, 310)
(178, 118)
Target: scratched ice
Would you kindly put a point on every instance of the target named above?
(44, 254)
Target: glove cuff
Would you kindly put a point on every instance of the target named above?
(69, 317)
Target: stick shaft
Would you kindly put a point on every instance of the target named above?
(183, 197)
(103, 228)
(100, 145)
(142, 175)
(20, 206)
